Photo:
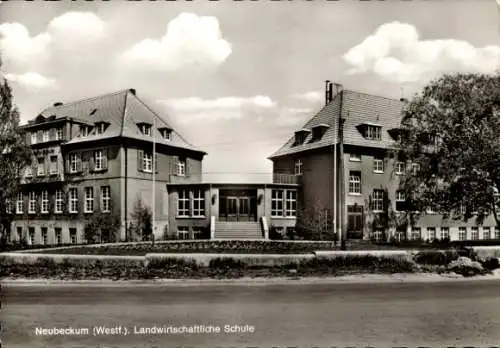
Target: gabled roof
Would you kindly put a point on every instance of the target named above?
(123, 111)
(357, 109)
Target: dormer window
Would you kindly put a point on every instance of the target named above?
(84, 131)
(318, 131)
(146, 129)
(373, 132)
(100, 127)
(165, 133)
(300, 136)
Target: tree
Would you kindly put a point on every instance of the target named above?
(102, 227)
(142, 218)
(315, 222)
(15, 154)
(450, 134)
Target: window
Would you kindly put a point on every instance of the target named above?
(462, 233)
(277, 203)
(40, 171)
(416, 233)
(34, 138)
(73, 200)
(146, 129)
(28, 172)
(165, 133)
(298, 167)
(183, 232)
(445, 233)
(100, 160)
(72, 235)
(415, 167)
(181, 167)
(58, 234)
(89, 200)
(106, 199)
(53, 165)
(291, 203)
(8, 208)
(19, 234)
(355, 183)
(59, 202)
(378, 165)
(60, 133)
(45, 202)
(400, 201)
(400, 168)
(147, 162)
(84, 131)
(374, 132)
(354, 157)
(19, 203)
(198, 203)
(300, 137)
(355, 218)
(32, 203)
(378, 200)
(44, 236)
(74, 163)
(183, 203)
(197, 232)
(486, 233)
(497, 233)
(31, 235)
(431, 233)
(45, 136)
(100, 128)
(474, 233)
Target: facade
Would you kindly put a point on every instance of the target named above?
(342, 158)
(96, 156)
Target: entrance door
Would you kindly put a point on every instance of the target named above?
(243, 209)
(232, 208)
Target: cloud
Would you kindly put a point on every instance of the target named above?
(396, 52)
(293, 116)
(226, 108)
(190, 40)
(31, 80)
(313, 96)
(68, 31)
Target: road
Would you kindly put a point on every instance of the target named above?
(312, 315)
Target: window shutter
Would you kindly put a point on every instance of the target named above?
(140, 159)
(79, 163)
(92, 162)
(185, 166)
(174, 165)
(156, 163)
(105, 154)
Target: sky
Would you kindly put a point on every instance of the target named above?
(236, 79)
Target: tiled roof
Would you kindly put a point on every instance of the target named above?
(122, 111)
(357, 109)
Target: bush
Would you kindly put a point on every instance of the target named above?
(490, 263)
(436, 257)
(466, 267)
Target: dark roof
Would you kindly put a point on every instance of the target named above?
(122, 111)
(357, 109)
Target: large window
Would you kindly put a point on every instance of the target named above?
(283, 203)
(445, 232)
(198, 203)
(106, 199)
(32, 203)
(19, 203)
(74, 162)
(183, 203)
(378, 165)
(474, 233)
(378, 201)
(45, 202)
(100, 160)
(374, 132)
(354, 182)
(299, 167)
(73, 200)
(59, 202)
(89, 200)
(181, 167)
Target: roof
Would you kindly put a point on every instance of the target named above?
(357, 109)
(123, 111)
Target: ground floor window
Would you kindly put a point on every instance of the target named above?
(198, 232)
(445, 233)
(486, 233)
(58, 235)
(378, 234)
(283, 203)
(497, 233)
(462, 233)
(19, 234)
(474, 233)
(44, 236)
(31, 235)
(72, 235)
(183, 232)
(416, 233)
(431, 233)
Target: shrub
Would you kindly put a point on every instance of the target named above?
(436, 257)
(490, 264)
(466, 267)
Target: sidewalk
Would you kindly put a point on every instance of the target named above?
(352, 279)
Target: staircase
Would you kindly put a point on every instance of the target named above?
(238, 230)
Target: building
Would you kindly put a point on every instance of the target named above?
(96, 156)
(342, 159)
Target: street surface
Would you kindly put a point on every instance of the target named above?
(311, 315)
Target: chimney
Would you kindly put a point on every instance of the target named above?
(328, 87)
(132, 90)
(338, 88)
(330, 92)
(58, 104)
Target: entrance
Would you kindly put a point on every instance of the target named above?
(238, 206)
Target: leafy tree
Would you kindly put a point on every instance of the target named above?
(451, 132)
(15, 154)
(315, 222)
(142, 218)
(102, 226)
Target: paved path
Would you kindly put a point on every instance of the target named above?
(450, 313)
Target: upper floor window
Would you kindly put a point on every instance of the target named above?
(400, 201)
(58, 208)
(378, 165)
(301, 136)
(354, 157)
(354, 182)
(400, 168)
(45, 202)
(28, 171)
(100, 128)
(84, 131)
(147, 164)
(100, 160)
(166, 133)
(19, 203)
(89, 200)
(45, 135)
(373, 132)
(146, 129)
(415, 167)
(40, 167)
(299, 167)
(74, 162)
(32, 203)
(378, 200)
(106, 199)
(53, 165)
(34, 137)
(181, 167)
(73, 200)
(60, 133)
